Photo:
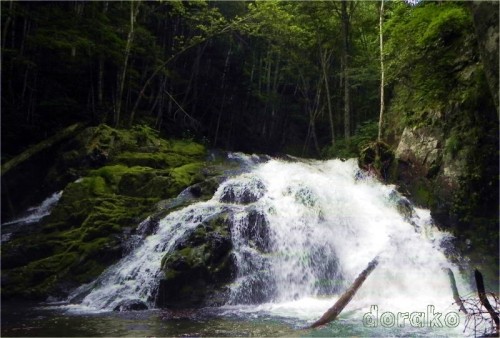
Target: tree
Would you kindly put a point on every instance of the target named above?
(134, 11)
(382, 71)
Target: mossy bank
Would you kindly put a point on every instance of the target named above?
(111, 180)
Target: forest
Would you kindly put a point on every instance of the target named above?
(265, 76)
(131, 96)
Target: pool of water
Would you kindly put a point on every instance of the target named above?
(35, 320)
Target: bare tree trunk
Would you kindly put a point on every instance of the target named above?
(223, 86)
(324, 60)
(5, 28)
(456, 295)
(134, 10)
(47, 143)
(382, 80)
(337, 308)
(100, 76)
(345, 54)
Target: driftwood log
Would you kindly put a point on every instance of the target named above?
(456, 295)
(337, 308)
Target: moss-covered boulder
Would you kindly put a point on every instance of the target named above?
(199, 267)
(111, 179)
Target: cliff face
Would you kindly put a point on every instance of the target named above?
(444, 130)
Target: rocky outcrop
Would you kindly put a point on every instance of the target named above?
(111, 180)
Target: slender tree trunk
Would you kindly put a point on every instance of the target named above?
(223, 87)
(382, 80)
(456, 295)
(100, 74)
(345, 54)
(100, 80)
(324, 60)
(134, 10)
(7, 23)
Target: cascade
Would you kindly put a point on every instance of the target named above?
(31, 215)
(302, 231)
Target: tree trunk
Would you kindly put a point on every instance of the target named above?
(484, 300)
(382, 80)
(324, 60)
(5, 28)
(456, 295)
(345, 54)
(341, 303)
(134, 10)
(27, 154)
(223, 87)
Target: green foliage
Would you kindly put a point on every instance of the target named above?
(365, 134)
(452, 145)
(425, 46)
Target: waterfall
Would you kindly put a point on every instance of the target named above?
(30, 216)
(302, 231)
(36, 213)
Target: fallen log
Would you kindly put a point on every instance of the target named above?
(456, 295)
(337, 308)
(25, 155)
(484, 300)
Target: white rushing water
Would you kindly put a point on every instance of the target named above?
(302, 232)
(36, 213)
(30, 216)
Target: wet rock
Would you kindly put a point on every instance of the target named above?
(199, 266)
(243, 192)
(131, 305)
(148, 226)
(256, 230)
(403, 205)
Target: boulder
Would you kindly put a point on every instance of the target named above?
(199, 267)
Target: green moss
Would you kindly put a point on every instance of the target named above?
(188, 148)
(125, 174)
(187, 174)
(422, 194)
(153, 160)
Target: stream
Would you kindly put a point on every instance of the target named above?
(321, 222)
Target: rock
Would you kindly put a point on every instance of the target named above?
(256, 230)
(148, 227)
(403, 205)
(421, 147)
(131, 305)
(199, 267)
(243, 191)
